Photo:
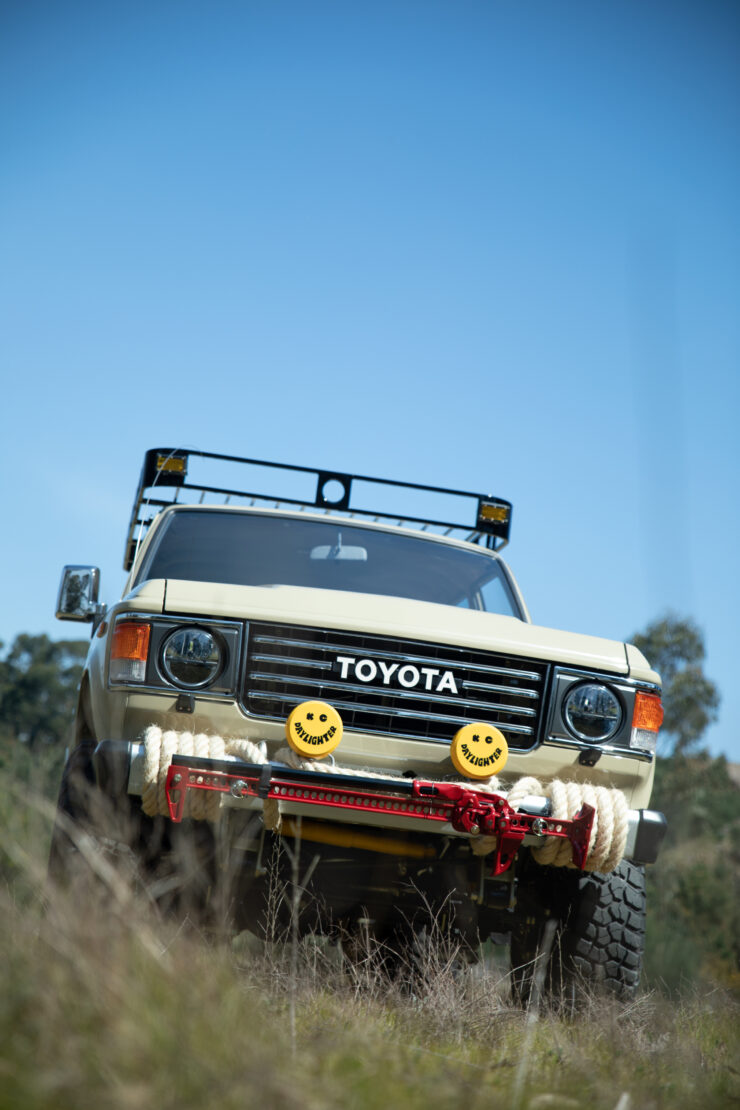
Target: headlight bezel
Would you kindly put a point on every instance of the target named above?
(230, 634)
(625, 741)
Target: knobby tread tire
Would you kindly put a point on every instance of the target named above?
(604, 935)
(600, 939)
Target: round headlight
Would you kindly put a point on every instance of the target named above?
(592, 712)
(191, 657)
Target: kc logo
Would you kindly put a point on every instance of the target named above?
(313, 729)
(478, 750)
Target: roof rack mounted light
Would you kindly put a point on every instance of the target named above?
(167, 468)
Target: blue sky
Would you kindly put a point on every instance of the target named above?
(490, 245)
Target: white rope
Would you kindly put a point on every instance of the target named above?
(608, 835)
(159, 747)
(484, 845)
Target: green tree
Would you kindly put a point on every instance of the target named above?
(38, 688)
(694, 889)
(674, 646)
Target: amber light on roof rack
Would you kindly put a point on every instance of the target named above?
(495, 511)
(173, 464)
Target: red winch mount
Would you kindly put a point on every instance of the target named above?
(467, 810)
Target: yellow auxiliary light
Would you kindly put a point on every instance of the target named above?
(314, 729)
(479, 750)
(491, 511)
(174, 464)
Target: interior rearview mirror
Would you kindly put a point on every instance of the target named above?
(339, 551)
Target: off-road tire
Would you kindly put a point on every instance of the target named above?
(174, 867)
(599, 942)
(76, 790)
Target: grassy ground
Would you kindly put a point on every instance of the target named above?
(105, 1005)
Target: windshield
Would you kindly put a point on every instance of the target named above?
(251, 549)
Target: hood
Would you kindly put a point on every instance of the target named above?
(392, 616)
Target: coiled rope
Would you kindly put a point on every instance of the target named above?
(608, 835)
(202, 805)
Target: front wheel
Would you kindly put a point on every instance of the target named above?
(174, 867)
(599, 939)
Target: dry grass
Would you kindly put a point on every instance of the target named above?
(104, 1004)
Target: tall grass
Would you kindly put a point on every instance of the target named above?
(106, 1004)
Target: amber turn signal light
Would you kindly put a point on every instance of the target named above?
(129, 651)
(648, 712)
(130, 641)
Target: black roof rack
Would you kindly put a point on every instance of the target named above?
(165, 472)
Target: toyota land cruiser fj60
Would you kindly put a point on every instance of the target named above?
(340, 685)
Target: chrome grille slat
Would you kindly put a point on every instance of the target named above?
(292, 660)
(288, 664)
(380, 654)
(523, 729)
(424, 695)
(521, 691)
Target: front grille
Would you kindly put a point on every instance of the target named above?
(287, 665)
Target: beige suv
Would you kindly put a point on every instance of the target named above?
(343, 677)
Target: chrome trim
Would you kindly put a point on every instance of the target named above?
(387, 691)
(136, 769)
(521, 691)
(633, 824)
(167, 691)
(603, 749)
(581, 674)
(292, 659)
(448, 664)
